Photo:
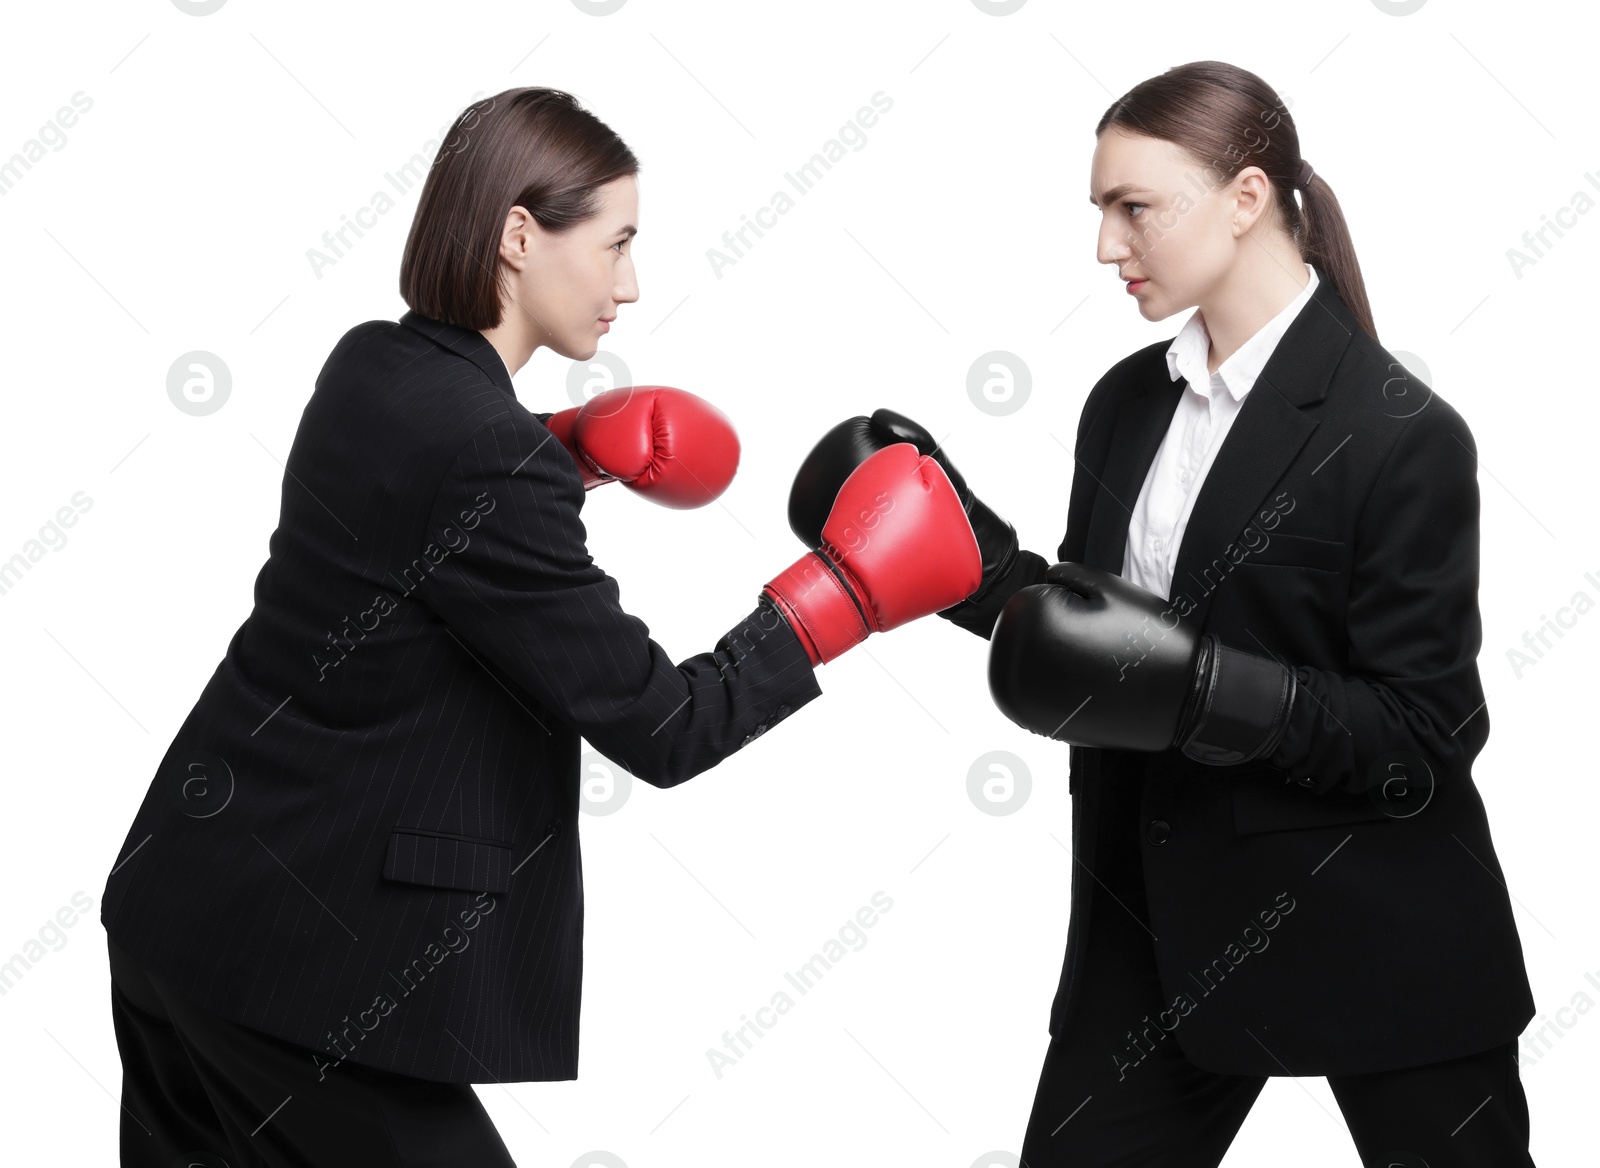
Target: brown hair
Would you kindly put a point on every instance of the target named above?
(1227, 118)
(530, 147)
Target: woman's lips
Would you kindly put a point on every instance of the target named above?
(1135, 285)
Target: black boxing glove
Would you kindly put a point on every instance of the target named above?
(848, 445)
(1091, 659)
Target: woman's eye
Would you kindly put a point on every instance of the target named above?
(619, 243)
(1131, 207)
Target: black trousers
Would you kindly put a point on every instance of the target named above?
(1162, 1111)
(200, 1090)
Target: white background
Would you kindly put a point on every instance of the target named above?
(178, 216)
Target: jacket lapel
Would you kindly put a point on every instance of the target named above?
(1269, 433)
(1265, 438)
(1141, 424)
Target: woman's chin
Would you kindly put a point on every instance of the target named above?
(582, 351)
(1154, 310)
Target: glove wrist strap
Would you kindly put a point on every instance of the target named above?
(1238, 708)
(820, 607)
(560, 424)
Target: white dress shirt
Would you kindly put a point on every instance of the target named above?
(1203, 418)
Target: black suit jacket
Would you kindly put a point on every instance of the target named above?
(1337, 531)
(364, 837)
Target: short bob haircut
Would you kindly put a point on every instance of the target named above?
(531, 147)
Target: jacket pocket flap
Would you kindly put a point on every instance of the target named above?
(1299, 551)
(1268, 801)
(440, 860)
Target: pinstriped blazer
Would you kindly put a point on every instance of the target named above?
(363, 837)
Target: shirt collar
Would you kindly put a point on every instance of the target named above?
(1186, 356)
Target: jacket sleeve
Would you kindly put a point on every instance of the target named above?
(1411, 689)
(978, 616)
(515, 584)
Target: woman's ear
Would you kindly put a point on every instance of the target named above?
(517, 237)
(1252, 193)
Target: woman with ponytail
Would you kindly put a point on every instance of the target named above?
(1261, 645)
(1284, 865)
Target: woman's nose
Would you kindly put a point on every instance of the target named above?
(1111, 247)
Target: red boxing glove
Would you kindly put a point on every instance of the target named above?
(896, 546)
(667, 444)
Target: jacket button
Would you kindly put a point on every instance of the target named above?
(554, 827)
(784, 711)
(1158, 831)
